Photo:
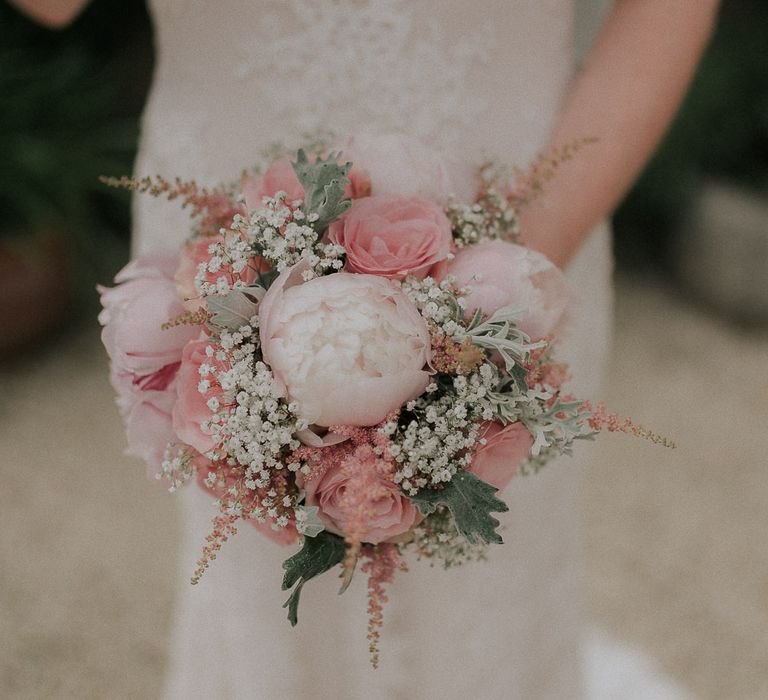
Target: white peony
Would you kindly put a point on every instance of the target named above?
(348, 348)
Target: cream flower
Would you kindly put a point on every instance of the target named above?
(348, 348)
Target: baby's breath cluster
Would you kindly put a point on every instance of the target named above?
(439, 304)
(252, 425)
(437, 431)
(491, 217)
(283, 235)
(177, 467)
(436, 538)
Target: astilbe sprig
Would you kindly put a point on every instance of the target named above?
(600, 419)
(215, 207)
(380, 564)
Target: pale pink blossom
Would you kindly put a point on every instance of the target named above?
(348, 348)
(393, 236)
(506, 447)
(145, 357)
(504, 274)
(398, 164)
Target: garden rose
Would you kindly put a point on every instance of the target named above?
(393, 236)
(398, 164)
(145, 358)
(280, 176)
(505, 274)
(506, 447)
(348, 348)
(357, 496)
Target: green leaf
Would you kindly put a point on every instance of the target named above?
(471, 502)
(318, 555)
(235, 309)
(323, 182)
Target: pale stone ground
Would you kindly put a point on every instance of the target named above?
(678, 558)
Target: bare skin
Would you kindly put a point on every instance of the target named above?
(628, 92)
(55, 14)
(631, 86)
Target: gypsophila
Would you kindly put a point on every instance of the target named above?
(489, 218)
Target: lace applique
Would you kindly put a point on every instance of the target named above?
(375, 61)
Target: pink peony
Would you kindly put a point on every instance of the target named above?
(393, 236)
(348, 348)
(280, 176)
(145, 358)
(402, 165)
(506, 447)
(191, 409)
(357, 497)
(505, 274)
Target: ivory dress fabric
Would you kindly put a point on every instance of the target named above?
(483, 78)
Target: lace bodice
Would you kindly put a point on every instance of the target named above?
(233, 76)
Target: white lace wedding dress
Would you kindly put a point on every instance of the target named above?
(485, 77)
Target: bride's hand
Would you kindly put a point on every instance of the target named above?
(630, 88)
(52, 13)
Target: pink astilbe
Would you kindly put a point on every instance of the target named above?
(529, 184)
(353, 484)
(381, 563)
(541, 371)
(600, 419)
(215, 207)
(238, 502)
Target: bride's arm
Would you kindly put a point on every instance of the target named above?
(52, 13)
(630, 88)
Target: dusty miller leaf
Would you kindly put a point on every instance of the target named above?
(471, 502)
(323, 182)
(233, 310)
(318, 555)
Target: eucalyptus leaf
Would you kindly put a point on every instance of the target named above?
(471, 502)
(323, 182)
(318, 555)
(233, 310)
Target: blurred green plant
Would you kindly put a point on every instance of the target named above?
(69, 107)
(58, 137)
(720, 132)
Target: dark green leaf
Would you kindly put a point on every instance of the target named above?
(323, 182)
(519, 374)
(318, 555)
(471, 502)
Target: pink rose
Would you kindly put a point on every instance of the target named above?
(398, 164)
(191, 409)
(348, 348)
(145, 358)
(358, 497)
(280, 176)
(393, 236)
(504, 274)
(505, 449)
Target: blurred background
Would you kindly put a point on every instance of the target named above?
(678, 558)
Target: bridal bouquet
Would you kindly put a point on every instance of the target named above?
(353, 352)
